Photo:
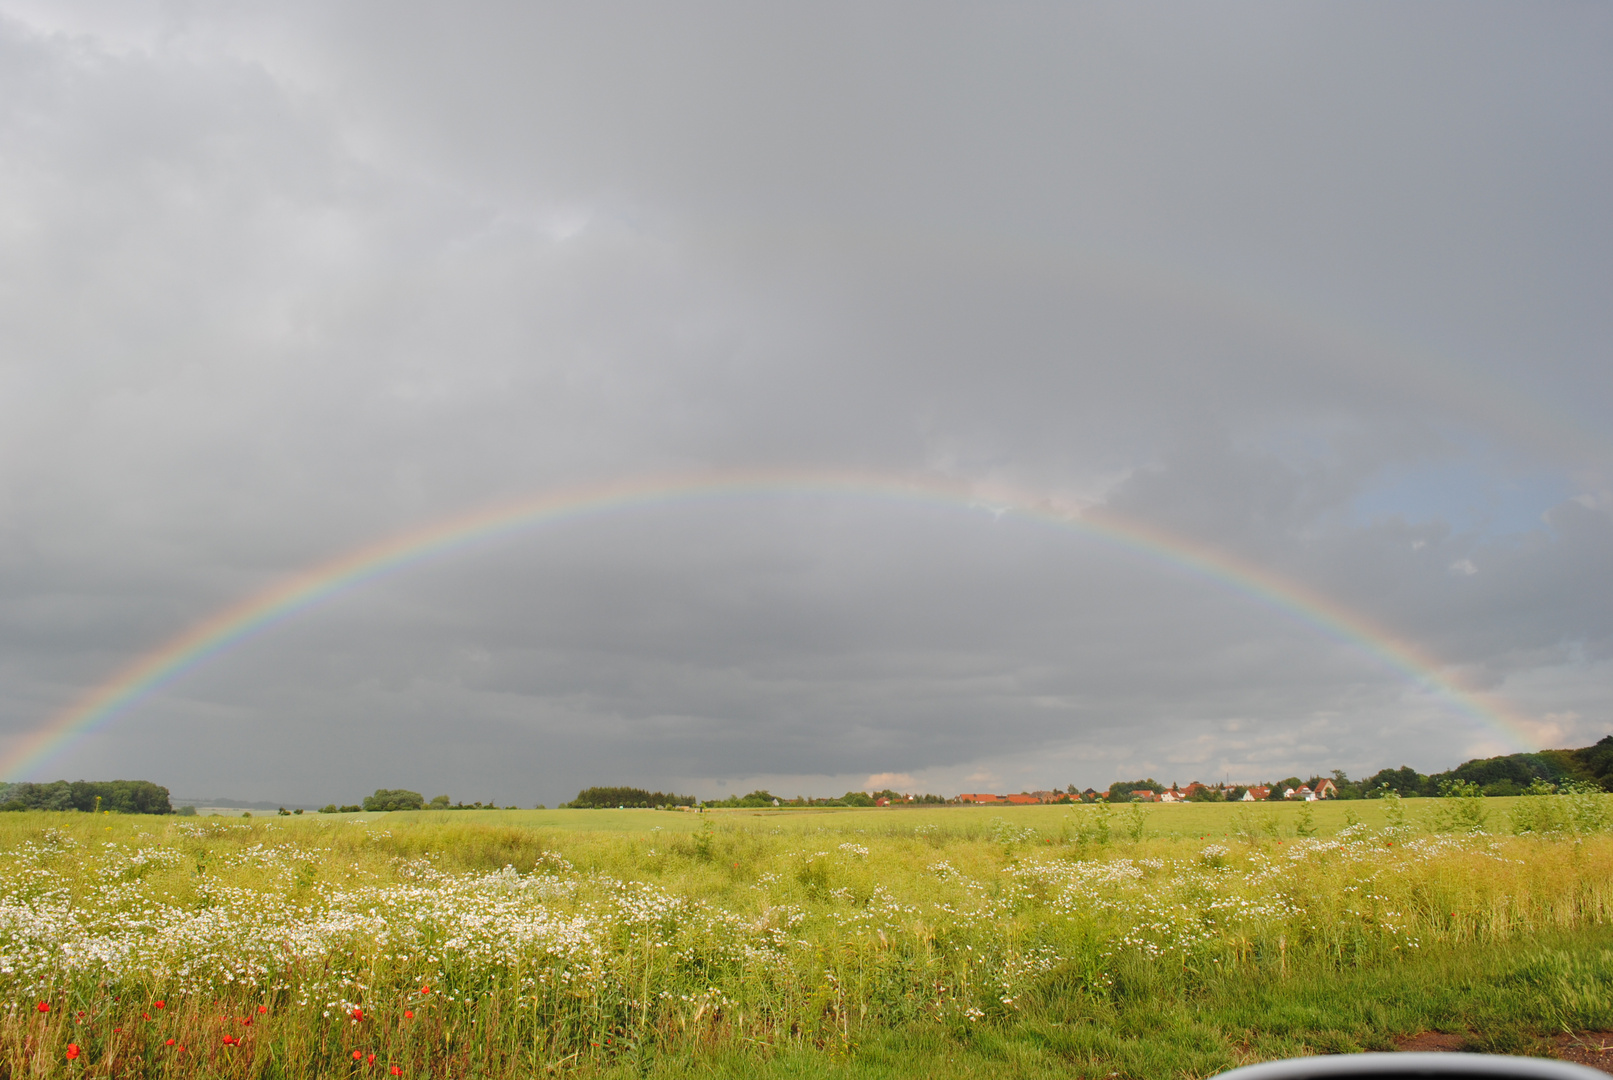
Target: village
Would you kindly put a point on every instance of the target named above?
(1312, 791)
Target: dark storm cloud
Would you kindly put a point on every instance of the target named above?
(276, 284)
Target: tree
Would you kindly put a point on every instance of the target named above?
(1404, 781)
(118, 796)
(386, 799)
(1120, 790)
(609, 798)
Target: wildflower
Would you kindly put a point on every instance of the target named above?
(370, 1060)
(43, 1006)
(396, 1071)
(72, 1051)
(262, 1009)
(358, 1013)
(146, 1015)
(408, 1014)
(157, 1004)
(230, 1040)
(358, 1055)
(170, 1042)
(425, 989)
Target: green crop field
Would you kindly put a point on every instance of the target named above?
(1137, 941)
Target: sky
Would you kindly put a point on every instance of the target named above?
(1319, 292)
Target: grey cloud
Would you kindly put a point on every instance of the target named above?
(275, 284)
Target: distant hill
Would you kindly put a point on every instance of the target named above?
(237, 804)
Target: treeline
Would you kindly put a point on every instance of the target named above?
(1509, 774)
(760, 798)
(630, 798)
(88, 796)
(388, 799)
(1535, 773)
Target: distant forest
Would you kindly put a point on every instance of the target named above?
(1511, 774)
(610, 798)
(118, 796)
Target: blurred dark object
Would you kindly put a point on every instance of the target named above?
(1414, 1065)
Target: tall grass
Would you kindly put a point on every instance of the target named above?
(508, 944)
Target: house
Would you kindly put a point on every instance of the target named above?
(1144, 796)
(1256, 793)
(1326, 789)
(877, 802)
(982, 799)
(1023, 799)
(1046, 796)
(1170, 796)
(1303, 792)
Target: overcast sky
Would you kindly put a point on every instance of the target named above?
(1322, 287)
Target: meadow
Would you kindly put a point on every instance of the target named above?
(1164, 941)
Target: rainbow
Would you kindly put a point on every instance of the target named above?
(228, 627)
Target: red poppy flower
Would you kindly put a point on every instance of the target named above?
(371, 1060)
(72, 1051)
(246, 1021)
(170, 1042)
(181, 1049)
(396, 1071)
(146, 1015)
(263, 1009)
(229, 1040)
(425, 989)
(158, 1004)
(43, 1006)
(408, 1014)
(117, 1031)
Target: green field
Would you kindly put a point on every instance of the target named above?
(1140, 941)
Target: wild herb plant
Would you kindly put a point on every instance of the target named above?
(509, 944)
